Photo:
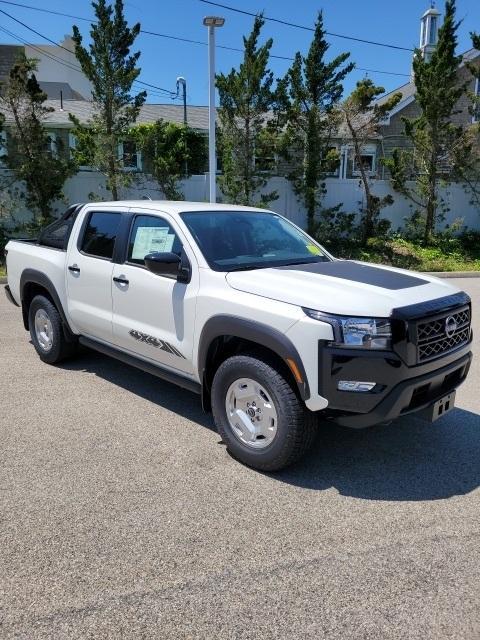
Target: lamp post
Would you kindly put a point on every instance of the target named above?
(212, 22)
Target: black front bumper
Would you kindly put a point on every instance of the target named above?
(10, 298)
(399, 390)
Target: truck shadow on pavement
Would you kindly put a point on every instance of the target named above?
(407, 460)
(410, 459)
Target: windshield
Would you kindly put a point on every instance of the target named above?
(241, 240)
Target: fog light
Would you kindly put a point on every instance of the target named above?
(355, 385)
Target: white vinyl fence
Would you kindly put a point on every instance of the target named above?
(348, 192)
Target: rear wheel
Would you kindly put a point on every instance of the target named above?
(260, 417)
(46, 331)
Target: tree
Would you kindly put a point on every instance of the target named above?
(112, 70)
(363, 116)
(438, 148)
(41, 170)
(165, 147)
(308, 96)
(246, 98)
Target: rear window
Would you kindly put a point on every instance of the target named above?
(100, 234)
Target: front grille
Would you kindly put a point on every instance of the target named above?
(438, 335)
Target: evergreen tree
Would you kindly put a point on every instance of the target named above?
(111, 69)
(362, 116)
(39, 168)
(165, 147)
(439, 148)
(308, 96)
(246, 98)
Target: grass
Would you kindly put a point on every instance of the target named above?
(2, 271)
(447, 254)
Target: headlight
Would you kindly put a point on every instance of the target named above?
(369, 333)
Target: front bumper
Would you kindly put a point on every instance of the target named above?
(400, 389)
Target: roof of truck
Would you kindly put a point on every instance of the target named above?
(174, 206)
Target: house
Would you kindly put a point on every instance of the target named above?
(392, 132)
(58, 71)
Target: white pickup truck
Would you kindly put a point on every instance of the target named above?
(242, 307)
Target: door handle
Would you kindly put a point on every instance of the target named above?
(120, 280)
(74, 268)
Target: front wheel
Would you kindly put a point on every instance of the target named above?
(258, 414)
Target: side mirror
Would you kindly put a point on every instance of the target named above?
(168, 264)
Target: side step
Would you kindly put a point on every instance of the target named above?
(154, 370)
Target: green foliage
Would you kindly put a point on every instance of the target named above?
(440, 152)
(246, 98)
(111, 69)
(363, 116)
(170, 151)
(306, 100)
(41, 172)
(447, 253)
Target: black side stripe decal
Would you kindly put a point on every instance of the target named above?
(155, 342)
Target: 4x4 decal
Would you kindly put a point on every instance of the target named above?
(155, 342)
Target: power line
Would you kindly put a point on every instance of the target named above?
(58, 60)
(72, 66)
(170, 37)
(300, 26)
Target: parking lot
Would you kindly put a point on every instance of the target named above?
(123, 516)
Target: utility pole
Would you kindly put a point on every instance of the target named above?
(181, 81)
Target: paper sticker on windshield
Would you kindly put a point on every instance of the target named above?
(313, 249)
(149, 239)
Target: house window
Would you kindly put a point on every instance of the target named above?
(368, 160)
(130, 156)
(51, 145)
(476, 106)
(433, 30)
(265, 164)
(3, 145)
(335, 166)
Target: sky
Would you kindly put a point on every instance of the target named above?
(163, 59)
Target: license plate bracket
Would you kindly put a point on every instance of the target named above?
(440, 408)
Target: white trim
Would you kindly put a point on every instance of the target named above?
(401, 105)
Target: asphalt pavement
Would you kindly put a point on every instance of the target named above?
(123, 516)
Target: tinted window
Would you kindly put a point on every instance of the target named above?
(149, 234)
(100, 234)
(234, 240)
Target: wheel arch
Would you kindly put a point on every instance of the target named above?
(226, 332)
(32, 283)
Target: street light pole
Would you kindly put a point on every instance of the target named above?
(212, 22)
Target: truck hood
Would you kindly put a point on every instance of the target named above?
(343, 287)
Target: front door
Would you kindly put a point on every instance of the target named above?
(153, 316)
(89, 274)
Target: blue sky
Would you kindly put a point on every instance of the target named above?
(162, 59)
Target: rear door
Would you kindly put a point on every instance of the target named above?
(154, 316)
(89, 273)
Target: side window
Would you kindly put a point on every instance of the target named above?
(100, 234)
(151, 233)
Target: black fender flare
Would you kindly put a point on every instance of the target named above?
(259, 333)
(38, 277)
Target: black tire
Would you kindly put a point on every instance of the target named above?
(296, 426)
(60, 348)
